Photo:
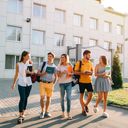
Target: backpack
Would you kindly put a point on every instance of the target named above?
(38, 77)
(76, 77)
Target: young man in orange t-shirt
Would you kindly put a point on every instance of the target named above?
(85, 81)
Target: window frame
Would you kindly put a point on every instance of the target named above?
(62, 43)
(41, 11)
(96, 42)
(76, 15)
(43, 37)
(109, 29)
(60, 21)
(14, 63)
(94, 26)
(17, 7)
(16, 34)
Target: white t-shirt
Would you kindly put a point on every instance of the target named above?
(22, 79)
(48, 77)
(63, 78)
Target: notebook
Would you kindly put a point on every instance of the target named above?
(50, 70)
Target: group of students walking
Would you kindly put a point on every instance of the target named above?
(50, 74)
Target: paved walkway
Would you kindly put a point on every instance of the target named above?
(9, 112)
(9, 100)
(118, 119)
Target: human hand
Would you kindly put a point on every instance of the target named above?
(12, 87)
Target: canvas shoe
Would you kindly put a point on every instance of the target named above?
(41, 115)
(105, 114)
(95, 109)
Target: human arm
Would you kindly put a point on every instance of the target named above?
(99, 74)
(15, 77)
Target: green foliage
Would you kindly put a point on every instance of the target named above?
(116, 72)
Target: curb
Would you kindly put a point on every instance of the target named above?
(118, 106)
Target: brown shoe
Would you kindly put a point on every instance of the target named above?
(84, 113)
(86, 109)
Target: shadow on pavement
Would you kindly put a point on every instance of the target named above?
(92, 121)
(8, 124)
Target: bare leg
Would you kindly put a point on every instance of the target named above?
(42, 103)
(99, 98)
(48, 103)
(105, 101)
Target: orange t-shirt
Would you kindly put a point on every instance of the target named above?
(86, 66)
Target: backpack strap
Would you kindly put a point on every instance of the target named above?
(44, 63)
(80, 64)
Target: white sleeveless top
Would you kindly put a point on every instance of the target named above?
(22, 79)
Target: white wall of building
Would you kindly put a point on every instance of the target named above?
(87, 8)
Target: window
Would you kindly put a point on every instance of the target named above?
(14, 33)
(36, 61)
(120, 48)
(119, 29)
(107, 45)
(93, 23)
(77, 40)
(92, 42)
(39, 10)
(107, 26)
(38, 37)
(15, 6)
(59, 16)
(10, 61)
(77, 20)
(59, 39)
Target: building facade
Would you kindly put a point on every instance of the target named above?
(40, 26)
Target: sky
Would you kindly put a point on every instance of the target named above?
(118, 5)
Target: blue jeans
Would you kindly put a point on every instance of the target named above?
(65, 87)
(24, 93)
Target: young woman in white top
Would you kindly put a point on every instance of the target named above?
(24, 83)
(65, 78)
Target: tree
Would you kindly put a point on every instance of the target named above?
(116, 72)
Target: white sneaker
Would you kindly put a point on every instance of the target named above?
(105, 114)
(95, 109)
(41, 115)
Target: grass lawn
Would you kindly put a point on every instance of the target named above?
(119, 96)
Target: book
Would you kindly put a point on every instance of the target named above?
(50, 70)
(107, 69)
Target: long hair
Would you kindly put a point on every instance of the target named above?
(66, 57)
(104, 60)
(24, 53)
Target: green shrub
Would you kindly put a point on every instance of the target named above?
(116, 72)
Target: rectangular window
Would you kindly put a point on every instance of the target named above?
(93, 23)
(14, 33)
(107, 45)
(77, 20)
(15, 6)
(59, 39)
(59, 16)
(39, 10)
(107, 26)
(119, 29)
(38, 37)
(10, 61)
(36, 61)
(77, 40)
(92, 42)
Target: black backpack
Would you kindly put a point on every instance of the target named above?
(76, 77)
(38, 77)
